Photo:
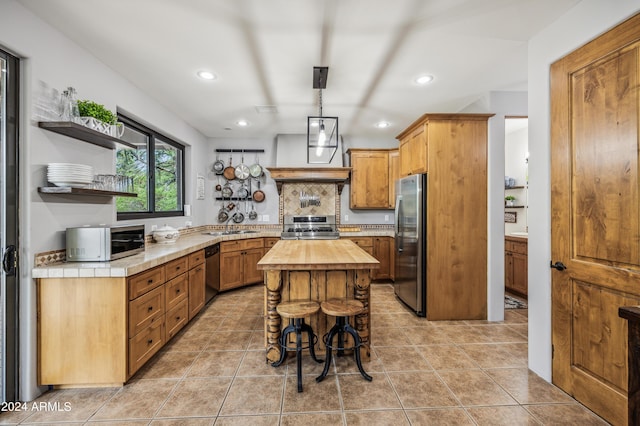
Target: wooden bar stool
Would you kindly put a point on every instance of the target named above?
(296, 312)
(342, 309)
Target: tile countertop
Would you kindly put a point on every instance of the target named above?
(157, 254)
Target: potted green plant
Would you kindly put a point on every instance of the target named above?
(509, 200)
(97, 117)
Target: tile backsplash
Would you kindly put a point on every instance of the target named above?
(326, 193)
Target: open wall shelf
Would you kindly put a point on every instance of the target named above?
(77, 131)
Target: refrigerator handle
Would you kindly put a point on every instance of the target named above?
(399, 236)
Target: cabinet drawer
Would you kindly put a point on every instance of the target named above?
(176, 318)
(515, 246)
(176, 290)
(362, 241)
(145, 281)
(270, 242)
(145, 310)
(144, 345)
(176, 267)
(252, 243)
(196, 258)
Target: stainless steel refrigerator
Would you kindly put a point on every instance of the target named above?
(410, 242)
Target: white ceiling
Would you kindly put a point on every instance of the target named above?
(263, 53)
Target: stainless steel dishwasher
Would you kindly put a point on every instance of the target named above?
(212, 268)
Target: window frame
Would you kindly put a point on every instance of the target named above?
(151, 182)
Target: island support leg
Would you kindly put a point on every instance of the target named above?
(273, 321)
(362, 293)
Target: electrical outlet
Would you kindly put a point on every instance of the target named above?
(346, 218)
(259, 218)
(154, 227)
(265, 218)
(187, 224)
(386, 218)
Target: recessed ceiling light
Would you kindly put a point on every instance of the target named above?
(206, 75)
(382, 124)
(424, 79)
(242, 123)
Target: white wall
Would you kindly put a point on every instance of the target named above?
(50, 57)
(584, 22)
(515, 151)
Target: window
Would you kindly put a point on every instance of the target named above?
(158, 179)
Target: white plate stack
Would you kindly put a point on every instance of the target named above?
(67, 174)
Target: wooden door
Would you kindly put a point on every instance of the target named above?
(595, 220)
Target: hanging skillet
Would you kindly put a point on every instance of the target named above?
(229, 171)
(218, 166)
(258, 194)
(255, 169)
(242, 171)
(227, 192)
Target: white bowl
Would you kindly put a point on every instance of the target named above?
(166, 235)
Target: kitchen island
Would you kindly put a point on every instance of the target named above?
(315, 270)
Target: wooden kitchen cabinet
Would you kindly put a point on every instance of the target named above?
(414, 153)
(382, 249)
(124, 321)
(196, 283)
(394, 175)
(515, 265)
(270, 242)
(238, 263)
(369, 179)
(176, 305)
(452, 150)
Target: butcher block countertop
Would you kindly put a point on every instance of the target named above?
(293, 255)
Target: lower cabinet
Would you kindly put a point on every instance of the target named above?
(515, 265)
(239, 263)
(101, 331)
(382, 249)
(197, 279)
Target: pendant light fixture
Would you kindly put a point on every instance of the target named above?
(322, 132)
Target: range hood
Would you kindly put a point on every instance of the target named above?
(337, 175)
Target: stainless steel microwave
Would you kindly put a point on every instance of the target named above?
(103, 243)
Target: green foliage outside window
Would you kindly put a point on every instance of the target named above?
(166, 176)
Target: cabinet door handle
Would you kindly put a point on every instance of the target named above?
(150, 341)
(150, 281)
(150, 308)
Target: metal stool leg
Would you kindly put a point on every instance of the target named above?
(299, 352)
(356, 338)
(306, 327)
(340, 324)
(283, 339)
(327, 360)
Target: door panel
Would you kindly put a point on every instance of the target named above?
(9, 249)
(595, 98)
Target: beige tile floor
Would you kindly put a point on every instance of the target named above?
(214, 372)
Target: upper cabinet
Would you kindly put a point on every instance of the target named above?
(372, 178)
(414, 155)
(394, 175)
